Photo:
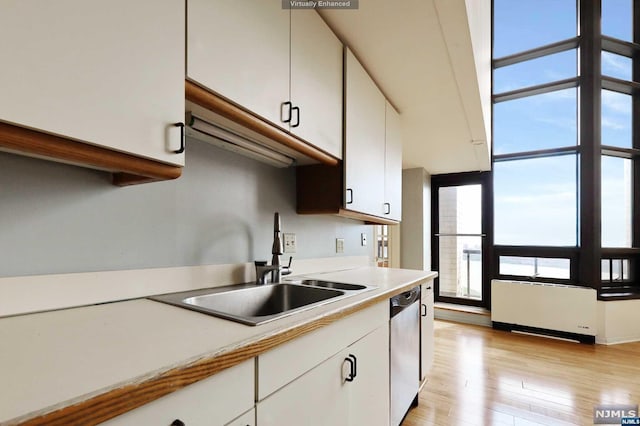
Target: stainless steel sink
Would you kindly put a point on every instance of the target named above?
(256, 304)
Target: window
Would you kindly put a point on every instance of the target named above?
(554, 119)
(535, 267)
(542, 70)
(526, 24)
(535, 201)
(616, 202)
(617, 19)
(535, 122)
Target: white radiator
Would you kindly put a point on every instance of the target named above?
(564, 308)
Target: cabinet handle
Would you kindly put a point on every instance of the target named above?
(424, 310)
(297, 110)
(350, 193)
(177, 422)
(289, 105)
(181, 150)
(387, 208)
(429, 288)
(353, 367)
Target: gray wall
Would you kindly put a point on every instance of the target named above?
(56, 218)
(415, 230)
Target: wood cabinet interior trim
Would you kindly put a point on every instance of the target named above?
(226, 109)
(110, 404)
(128, 169)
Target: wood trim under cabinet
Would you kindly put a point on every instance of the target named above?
(226, 109)
(128, 169)
(112, 403)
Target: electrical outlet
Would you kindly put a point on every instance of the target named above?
(363, 239)
(289, 243)
(339, 245)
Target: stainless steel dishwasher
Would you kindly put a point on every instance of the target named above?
(404, 336)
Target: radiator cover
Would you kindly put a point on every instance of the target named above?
(545, 307)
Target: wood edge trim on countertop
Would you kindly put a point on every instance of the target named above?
(215, 103)
(118, 401)
(18, 139)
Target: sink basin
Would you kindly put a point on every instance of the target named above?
(251, 304)
(337, 286)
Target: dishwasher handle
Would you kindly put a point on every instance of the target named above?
(404, 300)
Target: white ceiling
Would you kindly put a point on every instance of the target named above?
(421, 55)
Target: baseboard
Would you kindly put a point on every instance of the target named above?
(459, 314)
(582, 338)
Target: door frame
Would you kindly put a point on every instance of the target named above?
(485, 179)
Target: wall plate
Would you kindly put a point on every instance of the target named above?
(289, 242)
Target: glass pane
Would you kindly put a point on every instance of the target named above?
(605, 269)
(617, 19)
(460, 209)
(615, 270)
(616, 66)
(526, 24)
(535, 122)
(536, 71)
(616, 202)
(616, 119)
(460, 267)
(535, 267)
(535, 201)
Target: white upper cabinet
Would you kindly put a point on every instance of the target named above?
(316, 82)
(107, 73)
(393, 165)
(240, 50)
(282, 65)
(364, 140)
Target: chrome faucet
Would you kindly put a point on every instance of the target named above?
(277, 270)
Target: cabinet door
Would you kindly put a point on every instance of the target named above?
(318, 398)
(213, 401)
(107, 73)
(393, 165)
(247, 419)
(316, 82)
(364, 141)
(427, 332)
(240, 50)
(369, 392)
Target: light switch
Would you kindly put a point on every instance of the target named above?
(339, 245)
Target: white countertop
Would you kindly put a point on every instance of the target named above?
(53, 359)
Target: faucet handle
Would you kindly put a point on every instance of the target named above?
(290, 259)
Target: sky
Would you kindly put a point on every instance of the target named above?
(535, 200)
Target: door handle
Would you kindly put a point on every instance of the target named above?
(181, 149)
(353, 367)
(297, 110)
(282, 110)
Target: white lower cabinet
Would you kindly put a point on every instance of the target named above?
(247, 419)
(427, 329)
(350, 388)
(217, 400)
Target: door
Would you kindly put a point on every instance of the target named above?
(316, 82)
(393, 165)
(459, 243)
(364, 140)
(108, 73)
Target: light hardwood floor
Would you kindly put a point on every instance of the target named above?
(482, 376)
